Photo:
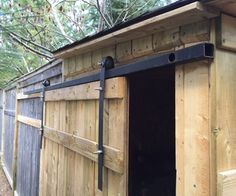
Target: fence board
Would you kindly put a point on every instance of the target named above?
(9, 125)
(28, 160)
(113, 158)
(1, 120)
(29, 122)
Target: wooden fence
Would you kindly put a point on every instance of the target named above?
(1, 118)
(8, 136)
(22, 136)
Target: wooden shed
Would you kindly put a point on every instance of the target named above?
(146, 108)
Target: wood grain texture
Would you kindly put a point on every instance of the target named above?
(179, 102)
(113, 158)
(29, 121)
(192, 129)
(225, 32)
(87, 91)
(71, 132)
(159, 41)
(166, 40)
(9, 126)
(142, 46)
(226, 122)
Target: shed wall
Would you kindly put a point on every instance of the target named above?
(160, 41)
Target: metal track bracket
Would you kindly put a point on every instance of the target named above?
(45, 84)
(106, 63)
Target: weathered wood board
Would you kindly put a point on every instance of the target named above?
(27, 137)
(8, 137)
(1, 122)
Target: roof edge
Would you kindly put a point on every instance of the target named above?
(128, 23)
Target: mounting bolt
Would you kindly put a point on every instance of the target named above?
(98, 89)
(98, 152)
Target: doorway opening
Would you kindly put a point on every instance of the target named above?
(152, 133)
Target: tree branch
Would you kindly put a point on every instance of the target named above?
(125, 10)
(24, 39)
(100, 12)
(76, 23)
(28, 47)
(54, 12)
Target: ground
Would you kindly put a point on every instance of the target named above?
(5, 189)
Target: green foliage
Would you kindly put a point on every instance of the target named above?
(30, 29)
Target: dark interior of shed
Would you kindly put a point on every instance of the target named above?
(152, 133)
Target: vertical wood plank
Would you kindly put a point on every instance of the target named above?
(70, 127)
(96, 58)
(212, 114)
(142, 46)
(123, 51)
(226, 96)
(72, 65)
(196, 125)
(15, 145)
(3, 125)
(62, 153)
(166, 40)
(117, 136)
(179, 132)
(65, 68)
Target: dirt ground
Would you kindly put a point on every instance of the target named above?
(5, 189)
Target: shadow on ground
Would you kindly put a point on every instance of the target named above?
(5, 189)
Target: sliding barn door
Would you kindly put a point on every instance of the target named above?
(68, 162)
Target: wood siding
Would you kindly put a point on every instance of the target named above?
(158, 42)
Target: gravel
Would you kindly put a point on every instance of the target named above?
(5, 189)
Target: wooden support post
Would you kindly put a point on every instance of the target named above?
(15, 146)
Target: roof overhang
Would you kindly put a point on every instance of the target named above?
(187, 14)
(225, 6)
